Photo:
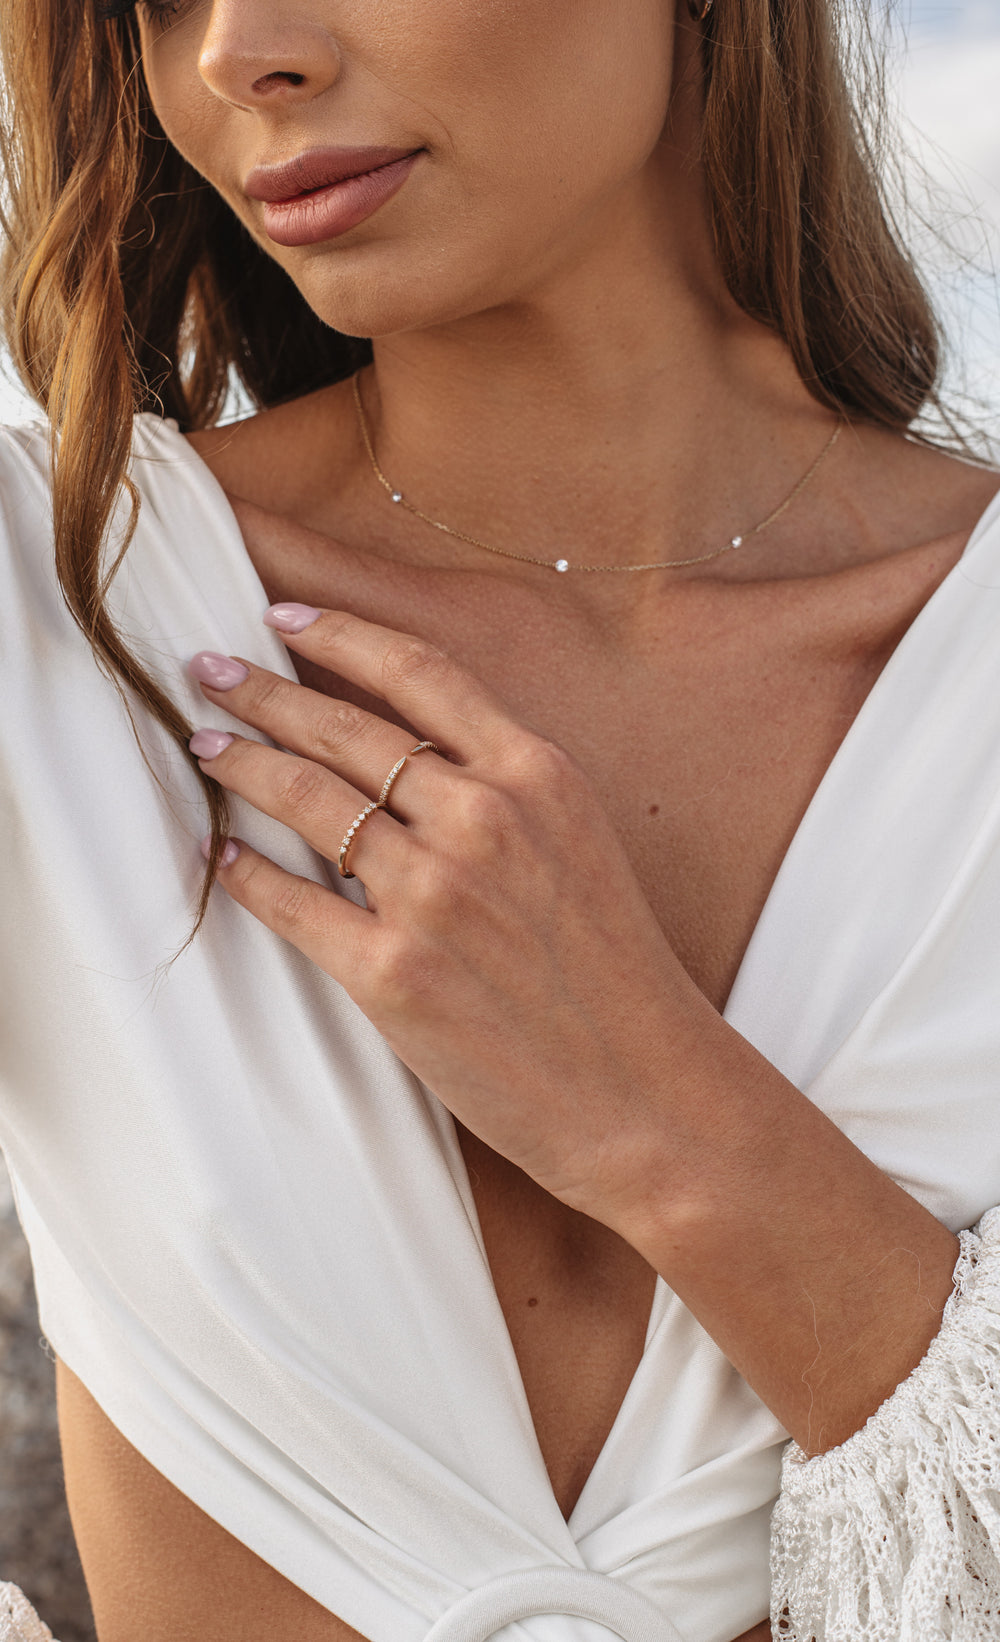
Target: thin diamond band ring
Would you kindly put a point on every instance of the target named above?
(378, 803)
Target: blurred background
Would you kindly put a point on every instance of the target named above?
(944, 80)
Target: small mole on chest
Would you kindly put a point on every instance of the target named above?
(654, 809)
(532, 1301)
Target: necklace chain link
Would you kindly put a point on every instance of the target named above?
(396, 496)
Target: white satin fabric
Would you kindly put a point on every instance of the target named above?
(252, 1229)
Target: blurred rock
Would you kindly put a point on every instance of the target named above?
(36, 1542)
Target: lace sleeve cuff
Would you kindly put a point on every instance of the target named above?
(894, 1536)
(18, 1619)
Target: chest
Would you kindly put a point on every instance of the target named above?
(705, 723)
(704, 739)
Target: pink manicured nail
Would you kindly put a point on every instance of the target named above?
(229, 851)
(210, 743)
(220, 672)
(291, 618)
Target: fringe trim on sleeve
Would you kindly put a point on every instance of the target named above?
(894, 1536)
(18, 1619)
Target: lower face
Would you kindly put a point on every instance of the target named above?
(527, 131)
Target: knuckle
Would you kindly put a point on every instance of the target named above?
(390, 970)
(245, 876)
(541, 762)
(488, 818)
(301, 786)
(408, 660)
(334, 625)
(268, 691)
(399, 973)
(338, 727)
(482, 805)
(289, 903)
(432, 890)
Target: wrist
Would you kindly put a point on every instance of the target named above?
(819, 1277)
(705, 1104)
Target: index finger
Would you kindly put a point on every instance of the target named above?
(442, 699)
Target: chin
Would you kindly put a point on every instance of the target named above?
(425, 262)
(381, 291)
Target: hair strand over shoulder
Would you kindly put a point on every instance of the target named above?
(129, 285)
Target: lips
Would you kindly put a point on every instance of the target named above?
(317, 168)
(325, 191)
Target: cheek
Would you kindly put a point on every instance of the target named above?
(550, 113)
(558, 89)
(191, 117)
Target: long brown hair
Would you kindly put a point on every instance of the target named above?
(129, 285)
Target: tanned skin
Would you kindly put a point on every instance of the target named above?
(559, 368)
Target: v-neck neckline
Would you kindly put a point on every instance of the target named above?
(766, 957)
(763, 956)
(757, 956)
(815, 871)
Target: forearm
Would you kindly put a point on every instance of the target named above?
(821, 1279)
(620, 1091)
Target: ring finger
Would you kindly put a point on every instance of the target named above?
(355, 744)
(315, 802)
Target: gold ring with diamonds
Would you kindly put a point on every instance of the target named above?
(422, 746)
(378, 803)
(348, 839)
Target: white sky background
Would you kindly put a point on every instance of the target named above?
(946, 72)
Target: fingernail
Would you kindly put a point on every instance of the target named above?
(210, 743)
(229, 851)
(291, 618)
(221, 672)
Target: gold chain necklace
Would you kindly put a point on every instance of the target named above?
(735, 542)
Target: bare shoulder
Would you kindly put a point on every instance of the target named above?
(915, 494)
(282, 460)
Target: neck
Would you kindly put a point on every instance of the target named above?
(618, 439)
(623, 410)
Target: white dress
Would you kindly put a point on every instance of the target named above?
(252, 1230)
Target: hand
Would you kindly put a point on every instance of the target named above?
(508, 955)
(507, 952)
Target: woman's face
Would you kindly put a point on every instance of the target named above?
(516, 137)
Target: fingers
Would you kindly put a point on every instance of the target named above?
(345, 754)
(315, 802)
(359, 746)
(325, 927)
(452, 706)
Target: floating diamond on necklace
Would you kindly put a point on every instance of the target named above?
(563, 565)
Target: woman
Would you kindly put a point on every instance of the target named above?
(601, 678)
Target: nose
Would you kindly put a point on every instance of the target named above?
(255, 54)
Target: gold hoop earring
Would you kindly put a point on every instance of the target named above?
(700, 9)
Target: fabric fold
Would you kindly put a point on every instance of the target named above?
(254, 1238)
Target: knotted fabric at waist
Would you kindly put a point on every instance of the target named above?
(575, 1592)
